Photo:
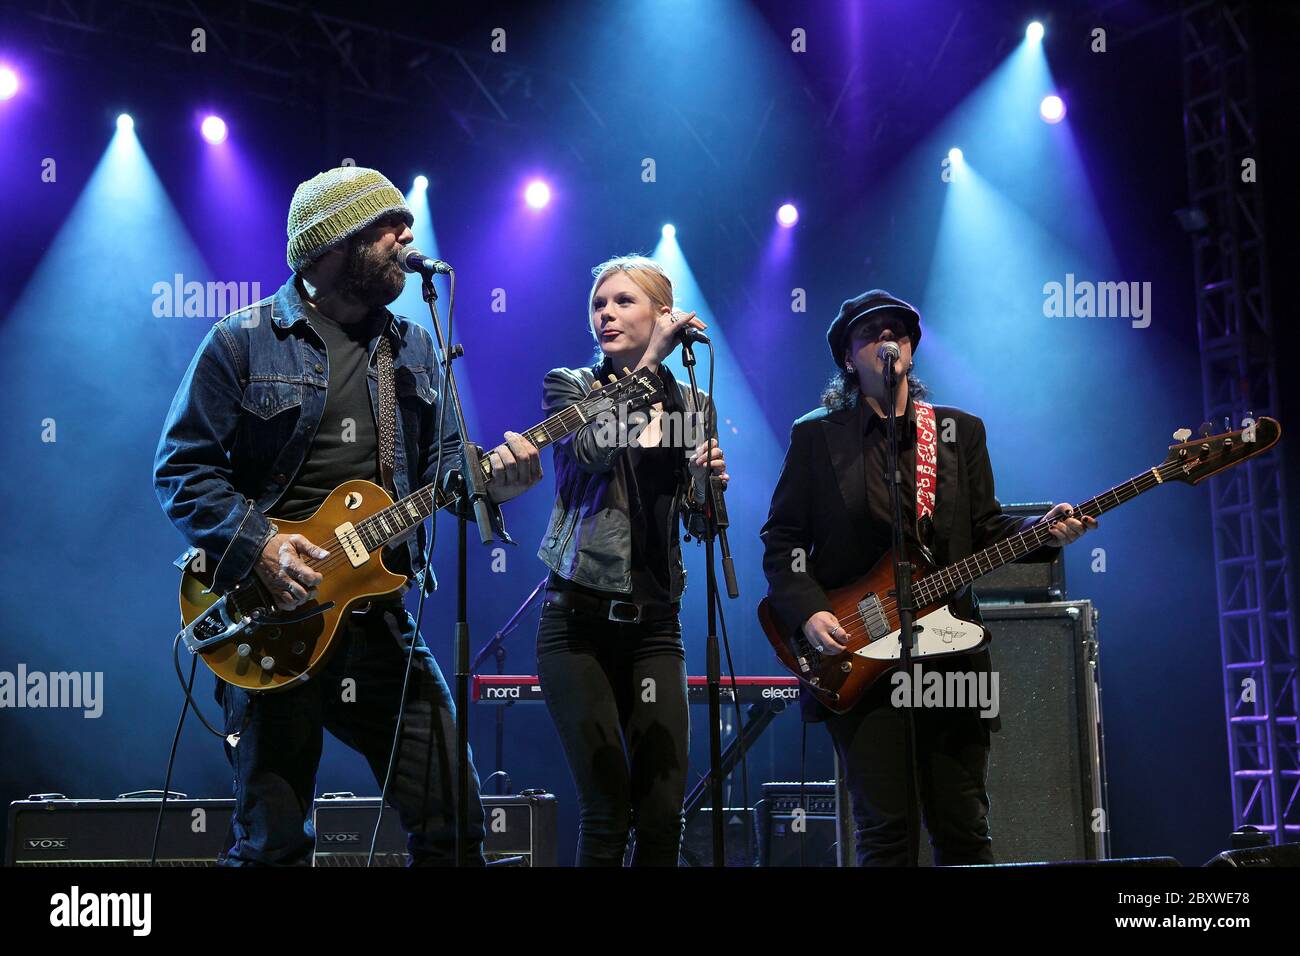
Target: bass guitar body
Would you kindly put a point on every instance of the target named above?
(867, 612)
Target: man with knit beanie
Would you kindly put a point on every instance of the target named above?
(280, 405)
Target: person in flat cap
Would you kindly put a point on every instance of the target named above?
(831, 522)
(283, 402)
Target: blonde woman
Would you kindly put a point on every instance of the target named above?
(609, 645)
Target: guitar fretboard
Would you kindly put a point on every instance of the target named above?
(402, 516)
(934, 587)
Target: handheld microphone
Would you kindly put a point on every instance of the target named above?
(416, 262)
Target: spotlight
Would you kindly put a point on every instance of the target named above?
(421, 182)
(1052, 109)
(8, 83)
(538, 194)
(669, 230)
(955, 156)
(1034, 32)
(787, 215)
(125, 123)
(213, 129)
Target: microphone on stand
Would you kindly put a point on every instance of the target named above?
(416, 262)
(889, 353)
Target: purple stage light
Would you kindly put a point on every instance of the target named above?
(1052, 109)
(787, 215)
(8, 83)
(537, 194)
(214, 129)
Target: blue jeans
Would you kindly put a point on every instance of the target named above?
(617, 694)
(280, 737)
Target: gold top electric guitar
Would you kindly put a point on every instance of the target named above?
(249, 642)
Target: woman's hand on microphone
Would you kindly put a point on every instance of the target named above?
(664, 338)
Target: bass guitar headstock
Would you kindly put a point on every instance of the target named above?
(1194, 459)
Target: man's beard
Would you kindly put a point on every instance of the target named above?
(369, 278)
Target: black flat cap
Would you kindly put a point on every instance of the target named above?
(870, 304)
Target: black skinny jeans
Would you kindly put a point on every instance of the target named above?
(617, 694)
(952, 747)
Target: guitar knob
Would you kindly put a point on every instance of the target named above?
(299, 647)
(268, 662)
(243, 650)
(846, 667)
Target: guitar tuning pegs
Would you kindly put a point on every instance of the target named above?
(626, 370)
(1182, 434)
(1206, 429)
(613, 377)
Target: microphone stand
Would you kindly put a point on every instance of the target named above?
(903, 596)
(716, 522)
(473, 497)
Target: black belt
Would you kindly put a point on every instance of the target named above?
(623, 612)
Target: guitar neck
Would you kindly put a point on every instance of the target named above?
(936, 586)
(402, 516)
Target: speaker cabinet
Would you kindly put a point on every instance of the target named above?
(1046, 780)
(797, 825)
(51, 830)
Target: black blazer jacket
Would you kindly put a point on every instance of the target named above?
(820, 505)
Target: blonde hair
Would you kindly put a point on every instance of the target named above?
(645, 272)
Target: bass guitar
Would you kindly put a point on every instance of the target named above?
(867, 608)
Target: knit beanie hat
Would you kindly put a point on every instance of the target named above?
(333, 205)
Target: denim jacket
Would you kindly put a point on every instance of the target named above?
(243, 420)
(588, 540)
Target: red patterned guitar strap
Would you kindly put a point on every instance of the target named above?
(927, 462)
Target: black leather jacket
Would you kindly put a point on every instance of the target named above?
(588, 540)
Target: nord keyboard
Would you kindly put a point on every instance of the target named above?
(525, 688)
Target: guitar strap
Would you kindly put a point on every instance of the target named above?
(387, 413)
(927, 462)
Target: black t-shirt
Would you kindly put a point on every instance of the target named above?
(345, 445)
(651, 489)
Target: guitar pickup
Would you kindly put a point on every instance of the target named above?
(352, 545)
(873, 616)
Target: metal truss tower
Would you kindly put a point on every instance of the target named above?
(1234, 322)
